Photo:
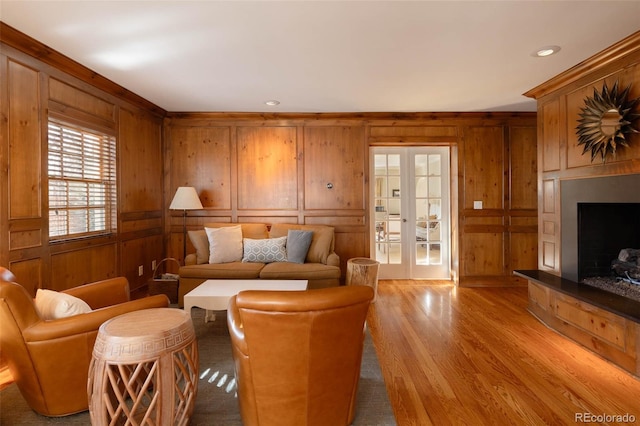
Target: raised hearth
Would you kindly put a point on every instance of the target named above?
(606, 323)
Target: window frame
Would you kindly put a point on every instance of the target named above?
(91, 155)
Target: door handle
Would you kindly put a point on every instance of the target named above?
(404, 220)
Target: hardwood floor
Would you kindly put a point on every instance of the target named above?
(476, 356)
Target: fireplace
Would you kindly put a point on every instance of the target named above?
(600, 216)
(606, 320)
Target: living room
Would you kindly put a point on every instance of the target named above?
(218, 153)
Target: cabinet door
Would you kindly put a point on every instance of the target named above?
(498, 193)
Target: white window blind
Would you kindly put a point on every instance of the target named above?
(82, 182)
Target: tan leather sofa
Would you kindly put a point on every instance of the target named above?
(298, 354)
(321, 267)
(49, 360)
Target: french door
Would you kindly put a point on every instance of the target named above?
(410, 213)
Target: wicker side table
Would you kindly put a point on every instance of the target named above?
(144, 369)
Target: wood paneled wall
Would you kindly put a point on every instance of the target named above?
(31, 89)
(296, 168)
(560, 101)
(277, 168)
(497, 169)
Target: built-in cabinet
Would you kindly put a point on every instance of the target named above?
(498, 203)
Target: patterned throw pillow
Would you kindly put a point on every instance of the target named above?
(265, 250)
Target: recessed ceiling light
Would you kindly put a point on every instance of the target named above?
(272, 102)
(546, 51)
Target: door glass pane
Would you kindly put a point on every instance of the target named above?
(381, 187)
(434, 165)
(388, 241)
(434, 187)
(422, 212)
(435, 212)
(394, 207)
(435, 254)
(428, 212)
(434, 231)
(422, 254)
(422, 187)
(394, 187)
(395, 254)
(393, 161)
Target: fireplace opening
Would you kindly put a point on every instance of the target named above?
(603, 230)
(607, 231)
(607, 190)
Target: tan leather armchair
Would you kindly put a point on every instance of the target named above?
(298, 354)
(49, 360)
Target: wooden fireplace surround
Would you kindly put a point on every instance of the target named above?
(601, 321)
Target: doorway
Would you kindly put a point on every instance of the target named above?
(410, 220)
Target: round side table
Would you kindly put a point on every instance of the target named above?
(363, 271)
(144, 369)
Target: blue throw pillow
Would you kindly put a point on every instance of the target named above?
(298, 243)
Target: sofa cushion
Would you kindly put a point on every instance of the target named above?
(299, 271)
(53, 305)
(321, 242)
(200, 242)
(231, 270)
(264, 250)
(225, 244)
(298, 243)
(249, 230)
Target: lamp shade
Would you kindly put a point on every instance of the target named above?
(186, 198)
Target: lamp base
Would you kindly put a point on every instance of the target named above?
(184, 236)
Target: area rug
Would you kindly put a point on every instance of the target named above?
(216, 402)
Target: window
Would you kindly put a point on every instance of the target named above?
(82, 182)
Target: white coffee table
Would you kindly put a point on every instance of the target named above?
(214, 295)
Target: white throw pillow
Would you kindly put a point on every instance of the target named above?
(265, 250)
(53, 305)
(225, 244)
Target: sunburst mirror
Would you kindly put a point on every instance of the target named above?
(605, 121)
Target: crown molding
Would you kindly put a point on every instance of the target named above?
(597, 62)
(9, 36)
